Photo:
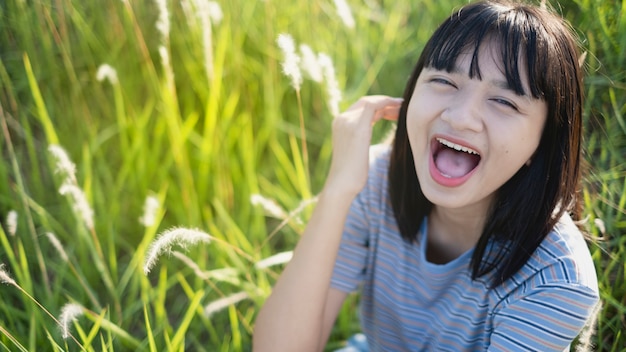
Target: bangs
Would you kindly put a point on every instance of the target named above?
(519, 37)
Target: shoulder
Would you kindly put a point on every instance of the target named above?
(545, 304)
(566, 254)
(562, 260)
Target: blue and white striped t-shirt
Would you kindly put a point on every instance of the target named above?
(410, 304)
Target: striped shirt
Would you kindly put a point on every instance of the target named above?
(408, 303)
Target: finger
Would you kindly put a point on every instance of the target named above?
(375, 102)
(389, 112)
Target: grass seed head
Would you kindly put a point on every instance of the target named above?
(5, 278)
(165, 56)
(108, 73)
(211, 9)
(58, 246)
(223, 303)
(79, 202)
(344, 12)
(163, 23)
(332, 86)
(150, 209)
(69, 313)
(585, 337)
(63, 165)
(600, 225)
(291, 63)
(310, 65)
(270, 206)
(276, 259)
(12, 222)
(182, 237)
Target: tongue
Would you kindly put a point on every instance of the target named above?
(455, 164)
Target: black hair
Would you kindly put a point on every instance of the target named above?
(527, 206)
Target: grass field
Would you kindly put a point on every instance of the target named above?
(127, 123)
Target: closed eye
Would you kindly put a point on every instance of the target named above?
(506, 103)
(443, 81)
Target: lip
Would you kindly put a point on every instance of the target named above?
(440, 178)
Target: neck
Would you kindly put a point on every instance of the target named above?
(452, 232)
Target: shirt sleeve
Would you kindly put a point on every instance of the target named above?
(544, 318)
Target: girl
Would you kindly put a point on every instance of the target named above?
(460, 237)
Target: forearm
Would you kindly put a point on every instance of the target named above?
(293, 315)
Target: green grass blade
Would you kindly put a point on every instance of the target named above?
(42, 112)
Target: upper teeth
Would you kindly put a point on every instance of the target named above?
(455, 146)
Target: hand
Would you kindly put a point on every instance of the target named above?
(352, 134)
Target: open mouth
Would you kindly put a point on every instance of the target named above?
(454, 160)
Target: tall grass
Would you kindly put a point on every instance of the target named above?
(195, 124)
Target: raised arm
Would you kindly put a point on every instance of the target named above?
(302, 308)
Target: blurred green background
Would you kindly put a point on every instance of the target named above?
(197, 116)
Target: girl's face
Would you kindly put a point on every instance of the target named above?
(469, 135)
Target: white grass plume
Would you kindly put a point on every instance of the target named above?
(177, 236)
(69, 313)
(79, 202)
(600, 225)
(63, 165)
(344, 12)
(222, 303)
(58, 246)
(165, 56)
(163, 22)
(197, 9)
(585, 343)
(213, 10)
(151, 207)
(291, 62)
(275, 259)
(270, 206)
(108, 73)
(189, 9)
(210, 14)
(204, 14)
(69, 186)
(332, 86)
(5, 278)
(310, 65)
(12, 222)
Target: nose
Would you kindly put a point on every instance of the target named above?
(464, 112)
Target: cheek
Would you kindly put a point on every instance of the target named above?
(414, 120)
(413, 129)
(516, 150)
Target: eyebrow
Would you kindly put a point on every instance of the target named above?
(502, 84)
